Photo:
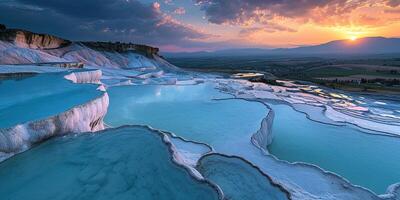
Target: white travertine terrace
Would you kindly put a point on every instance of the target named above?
(82, 118)
(300, 179)
(337, 107)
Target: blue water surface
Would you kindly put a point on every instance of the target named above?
(371, 161)
(123, 163)
(40, 96)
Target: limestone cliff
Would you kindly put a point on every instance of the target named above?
(38, 41)
(123, 47)
(31, 40)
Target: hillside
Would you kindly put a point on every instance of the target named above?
(22, 47)
(362, 46)
(368, 45)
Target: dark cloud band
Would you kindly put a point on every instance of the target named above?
(107, 20)
(242, 11)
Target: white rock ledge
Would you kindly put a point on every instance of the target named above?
(84, 118)
(87, 117)
(263, 137)
(89, 76)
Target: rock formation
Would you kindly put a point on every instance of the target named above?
(263, 137)
(31, 40)
(148, 51)
(43, 48)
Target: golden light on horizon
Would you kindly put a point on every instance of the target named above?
(353, 33)
(353, 38)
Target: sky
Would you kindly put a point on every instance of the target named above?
(206, 25)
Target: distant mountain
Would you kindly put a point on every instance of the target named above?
(368, 45)
(225, 52)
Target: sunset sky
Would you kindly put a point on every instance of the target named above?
(194, 25)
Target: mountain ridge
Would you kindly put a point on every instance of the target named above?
(366, 45)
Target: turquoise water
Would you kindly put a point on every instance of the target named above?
(187, 111)
(40, 96)
(370, 161)
(124, 163)
(238, 179)
(191, 112)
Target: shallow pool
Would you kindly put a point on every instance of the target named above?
(193, 113)
(124, 163)
(40, 96)
(188, 111)
(238, 179)
(368, 160)
(371, 161)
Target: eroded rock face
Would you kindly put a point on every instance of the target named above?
(122, 47)
(263, 137)
(31, 40)
(25, 47)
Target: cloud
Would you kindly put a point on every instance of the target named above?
(107, 20)
(271, 28)
(240, 11)
(180, 11)
(392, 11)
(168, 2)
(393, 3)
(248, 12)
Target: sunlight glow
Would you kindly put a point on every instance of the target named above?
(353, 33)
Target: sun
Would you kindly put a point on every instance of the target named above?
(353, 38)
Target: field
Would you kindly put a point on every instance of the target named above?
(360, 73)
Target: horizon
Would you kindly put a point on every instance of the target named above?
(351, 41)
(277, 48)
(207, 25)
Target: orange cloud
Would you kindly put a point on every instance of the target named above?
(323, 13)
